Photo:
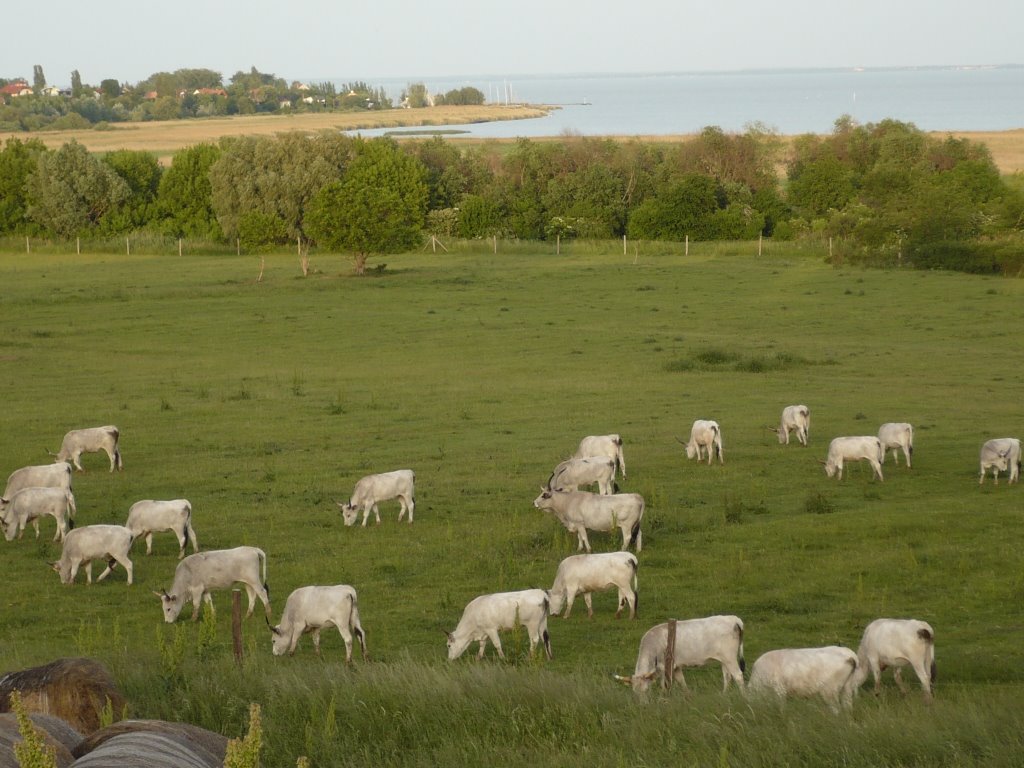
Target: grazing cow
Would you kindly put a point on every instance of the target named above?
(795, 418)
(827, 672)
(30, 504)
(40, 476)
(704, 435)
(1000, 454)
(843, 449)
(370, 490)
(896, 643)
(148, 516)
(197, 575)
(579, 510)
(609, 446)
(310, 609)
(697, 641)
(94, 542)
(572, 473)
(897, 436)
(485, 615)
(583, 574)
(92, 440)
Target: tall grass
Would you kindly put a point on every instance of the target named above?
(263, 403)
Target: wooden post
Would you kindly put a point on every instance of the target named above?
(179, 246)
(687, 251)
(238, 247)
(78, 246)
(830, 247)
(558, 245)
(670, 653)
(495, 238)
(127, 247)
(28, 248)
(623, 245)
(236, 623)
(760, 237)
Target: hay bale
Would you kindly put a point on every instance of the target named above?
(56, 733)
(151, 744)
(75, 690)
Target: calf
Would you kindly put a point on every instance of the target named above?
(795, 418)
(827, 672)
(704, 435)
(897, 436)
(896, 643)
(94, 542)
(1000, 454)
(39, 476)
(30, 504)
(572, 473)
(609, 446)
(843, 449)
(485, 615)
(148, 516)
(310, 609)
(370, 490)
(583, 574)
(578, 511)
(197, 575)
(697, 642)
(92, 440)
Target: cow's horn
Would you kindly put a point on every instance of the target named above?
(624, 680)
(681, 442)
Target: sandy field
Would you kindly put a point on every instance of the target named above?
(166, 137)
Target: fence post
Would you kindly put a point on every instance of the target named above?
(179, 246)
(670, 653)
(28, 248)
(760, 237)
(495, 238)
(236, 623)
(687, 251)
(624, 245)
(127, 247)
(78, 246)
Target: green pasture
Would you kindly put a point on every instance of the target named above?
(263, 403)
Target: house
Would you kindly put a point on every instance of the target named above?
(17, 88)
(209, 92)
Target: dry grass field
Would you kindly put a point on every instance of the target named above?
(166, 137)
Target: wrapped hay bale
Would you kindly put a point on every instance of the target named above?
(151, 744)
(56, 733)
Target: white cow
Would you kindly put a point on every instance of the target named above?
(704, 435)
(899, 436)
(92, 440)
(827, 672)
(843, 449)
(94, 542)
(795, 418)
(310, 609)
(485, 615)
(39, 476)
(370, 490)
(570, 474)
(148, 516)
(609, 446)
(896, 643)
(197, 575)
(1000, 454)
(578, 511)
(697, 642)
(583, 574)
(30, 504)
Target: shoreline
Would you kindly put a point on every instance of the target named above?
(164, 138)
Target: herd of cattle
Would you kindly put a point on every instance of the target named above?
(833, 672)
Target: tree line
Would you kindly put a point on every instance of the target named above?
(188, 93)
(885, 193)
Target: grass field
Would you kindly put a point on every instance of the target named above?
(263, 403)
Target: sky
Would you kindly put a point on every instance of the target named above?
(342, 41)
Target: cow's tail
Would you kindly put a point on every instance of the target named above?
(636, 587)
(635, 534)
(263, 560)
(739, 635)
(187, 526)
(73, 509)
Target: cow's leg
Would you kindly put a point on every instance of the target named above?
(110, 455)
(412, 507)
(898, 677)
(149, 543)
(127, 564)
(88, 572)
(493, 634)
(346, 635)
(35, 524)
(570, 596)
(876, 673)
(590, 606)
(76, 460)
(877, 469)
(677, 677)
(250, 593)
(483, 647)
(582, 534)
(181, 542)
(376, 513)
(316, 641)
(731, 671)
(74, 571)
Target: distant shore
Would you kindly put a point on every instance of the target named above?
(164, 138)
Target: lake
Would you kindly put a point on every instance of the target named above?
(790, 101)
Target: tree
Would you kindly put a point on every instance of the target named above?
(38, 79)
(416, 96)
(685, 209)
(17, 161)
(110, 88)
(378, 207)
(141, 172)
(185, 196)
(76, 84)
(70, 191)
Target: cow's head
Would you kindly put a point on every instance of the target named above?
(691, 450)
(830, 467)
(172, 605)
(456, 646)
(64, 571)
(349, 512)
(544, 500)
(279, 638)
